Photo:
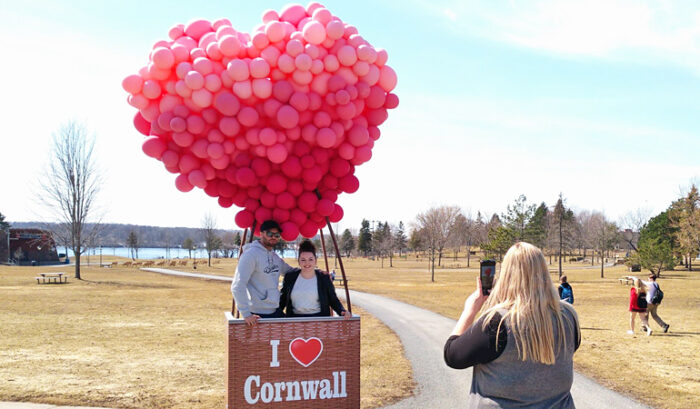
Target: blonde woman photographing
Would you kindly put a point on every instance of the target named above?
(523, 342)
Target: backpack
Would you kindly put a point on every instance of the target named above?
(658, 295)
(641, 300)
(567, 295)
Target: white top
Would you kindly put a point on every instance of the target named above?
(305, 296)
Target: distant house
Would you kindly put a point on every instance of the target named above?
(32, 246)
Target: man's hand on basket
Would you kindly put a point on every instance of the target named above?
(251, 320)
(346, 314)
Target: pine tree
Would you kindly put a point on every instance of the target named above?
(364, 241)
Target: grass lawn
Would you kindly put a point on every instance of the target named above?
(662, 370)
(126, 338)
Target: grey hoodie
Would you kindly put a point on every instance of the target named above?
(256, 283)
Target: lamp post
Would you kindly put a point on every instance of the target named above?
(100, 255)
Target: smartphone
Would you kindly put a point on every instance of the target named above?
(488, 270)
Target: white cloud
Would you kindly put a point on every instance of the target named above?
(648, 32)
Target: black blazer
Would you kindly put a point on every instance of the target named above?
(326, 293)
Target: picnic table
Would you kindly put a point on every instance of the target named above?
(625, 280)
(54, 277)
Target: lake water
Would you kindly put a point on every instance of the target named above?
(154, 252)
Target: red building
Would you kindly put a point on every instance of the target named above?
(32, 246)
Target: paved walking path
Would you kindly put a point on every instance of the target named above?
(423, 334)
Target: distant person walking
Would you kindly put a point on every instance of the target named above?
(522, 345)
(566, 293)
(638, 305)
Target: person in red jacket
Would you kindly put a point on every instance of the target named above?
(638, 305)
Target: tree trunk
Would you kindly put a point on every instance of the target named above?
(440, 258)
(77, 264)
(469, 251)
(432, 269)
(602, 266)
(209, 263)
(391, 259)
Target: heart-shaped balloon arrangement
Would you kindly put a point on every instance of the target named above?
(274, 122)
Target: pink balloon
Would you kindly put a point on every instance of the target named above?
(182, 184)
(141, 124)
(132, 84)
(154, 147)
(287, 117)
(277, 153)
(246, 177)
(265, 120)
(314, 32)
(262, 214)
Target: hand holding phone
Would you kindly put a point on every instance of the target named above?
(486, 274)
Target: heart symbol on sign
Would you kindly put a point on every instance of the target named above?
(305, 351)
(274, 122)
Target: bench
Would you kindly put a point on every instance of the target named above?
(48, 278)
(339, 280)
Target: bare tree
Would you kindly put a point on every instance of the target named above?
(132, 242)
(212, 242)
(70, 188)
(436, 226)
(606, 235)
(631, 223)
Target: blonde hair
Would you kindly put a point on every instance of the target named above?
(525, 290)
(640, 286)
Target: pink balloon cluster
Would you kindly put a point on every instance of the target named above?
(274, 122)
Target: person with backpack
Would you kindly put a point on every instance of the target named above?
(566, 293)
(638, 305)
(654, 297)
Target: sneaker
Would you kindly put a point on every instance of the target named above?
(644, 328)
(629, 331)
(666, 328)
(649, 331)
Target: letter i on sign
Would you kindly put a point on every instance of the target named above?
(274, 343)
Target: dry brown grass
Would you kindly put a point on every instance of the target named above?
(129, 339)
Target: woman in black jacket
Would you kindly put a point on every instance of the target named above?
(306, 292)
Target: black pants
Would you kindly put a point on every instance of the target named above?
(276, 314)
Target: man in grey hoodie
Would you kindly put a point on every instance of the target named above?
(256, 283)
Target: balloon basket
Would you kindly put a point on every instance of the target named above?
(294, 363)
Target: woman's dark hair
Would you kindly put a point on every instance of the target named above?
(306, 246)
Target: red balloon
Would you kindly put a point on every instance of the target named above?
(308, 229)
(246, 177)
(262, 214)
(290, 231)
(325, 207)
(349, 184)
(337, 214)
(292, 167)
(307, 202)
(298, 217)
(268, 199)
(285, 200)
(225, 202)
(276, 183)
(280, 215)
(244, 219)
(339, 167)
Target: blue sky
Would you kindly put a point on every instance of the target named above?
(597, 100)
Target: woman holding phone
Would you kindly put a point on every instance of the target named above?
(306, 292)
(523, 342)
